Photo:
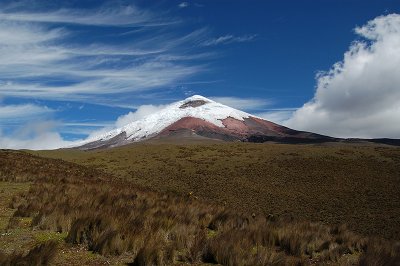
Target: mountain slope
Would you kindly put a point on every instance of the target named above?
(198, 116)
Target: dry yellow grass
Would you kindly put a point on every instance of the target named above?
(128, 223)
(334, 184)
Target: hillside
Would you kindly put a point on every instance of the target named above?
(335, 184)
(77, 215)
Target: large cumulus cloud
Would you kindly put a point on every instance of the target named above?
(359, 96)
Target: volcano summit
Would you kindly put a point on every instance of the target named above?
(198, 117)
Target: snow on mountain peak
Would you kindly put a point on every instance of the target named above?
(195, 106)
(197, 98)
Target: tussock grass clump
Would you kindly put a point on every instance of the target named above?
(42, 254)
(378, 253)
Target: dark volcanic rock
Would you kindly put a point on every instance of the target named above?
(195, 103)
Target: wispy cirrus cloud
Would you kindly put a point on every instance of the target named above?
(22, 112)
(40, 57)
(97, 84)
(123, 16)
(13, 33)
(229, 38)
(183, 5)
(110, 55)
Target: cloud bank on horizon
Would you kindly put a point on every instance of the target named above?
(359, 96)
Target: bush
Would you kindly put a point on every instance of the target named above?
(42, 254)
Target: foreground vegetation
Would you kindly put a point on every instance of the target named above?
(333, 184)
(74, 207)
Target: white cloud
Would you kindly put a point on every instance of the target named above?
(102, 81)
(85, 128)
(14, 33)
(42, 57)
(34, 136)
(359, 96)
(26, 128)
(34, 51)
(128, 16)
(141, 112)
(22, 111)
(123, 120)
(243, 103)
(44, 141)
(279, 117)
(183, 4)
(229, 38)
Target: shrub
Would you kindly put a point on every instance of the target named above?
(42, 254)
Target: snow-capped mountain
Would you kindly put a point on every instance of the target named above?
(199, 117)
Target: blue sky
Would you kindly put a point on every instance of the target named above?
(71, 68)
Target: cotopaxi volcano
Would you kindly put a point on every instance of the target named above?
(198, 117)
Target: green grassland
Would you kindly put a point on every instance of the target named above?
(357, 185)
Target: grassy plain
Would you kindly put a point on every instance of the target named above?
(357, 185)
(201, 204)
